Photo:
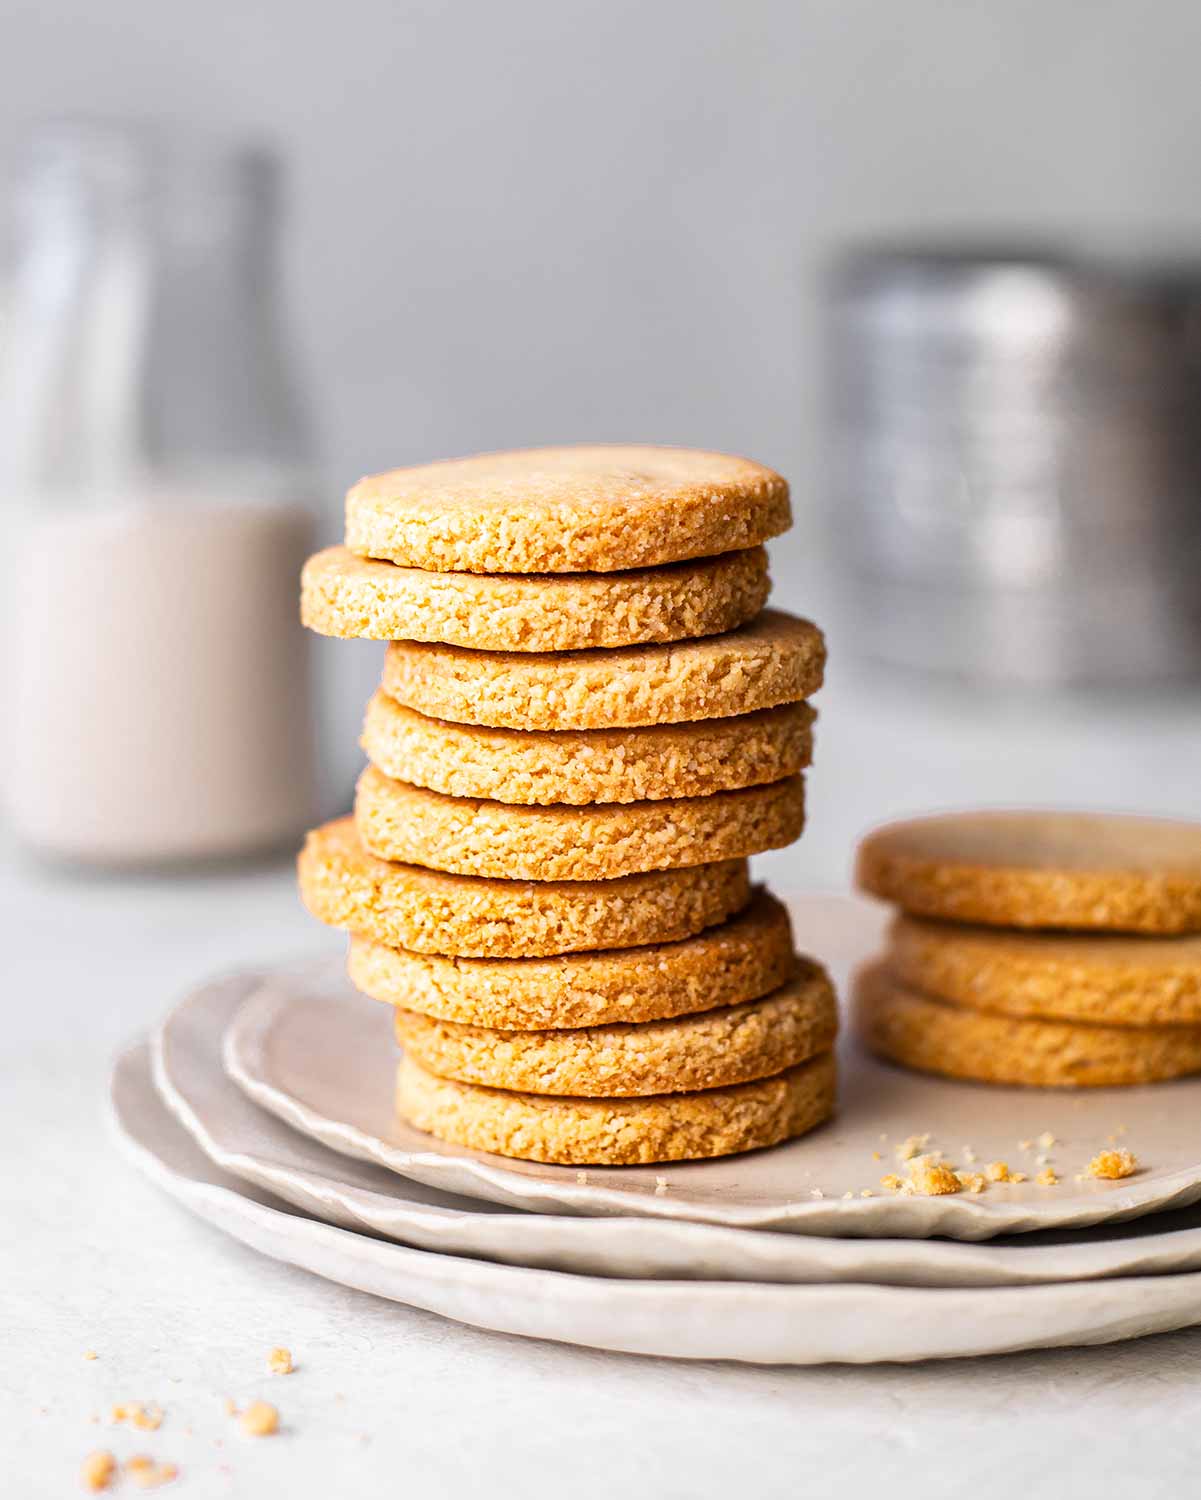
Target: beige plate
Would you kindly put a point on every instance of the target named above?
(240, 1138)
(309, 1049)
(749, 1321)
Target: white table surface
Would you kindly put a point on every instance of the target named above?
(387, 1399)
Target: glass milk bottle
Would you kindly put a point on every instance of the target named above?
(154, 474)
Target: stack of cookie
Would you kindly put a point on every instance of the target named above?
(586, 723)
(1050, 949)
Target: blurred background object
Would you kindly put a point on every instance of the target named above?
(156, 478)
(1016, 462)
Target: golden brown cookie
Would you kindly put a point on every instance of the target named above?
(776, 659)
(1040, 869)
(1118, 981)
(748, 956)
(343, 594)
(566, 510)
(506, 841)
(711, 1050)
(907, 1027)
(426, 911)
(540, 767)
(619, 1132)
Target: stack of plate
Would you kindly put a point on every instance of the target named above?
(265, 1103)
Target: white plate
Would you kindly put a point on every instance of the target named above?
(313, 1051)
(749, 1321)
(253, 1145)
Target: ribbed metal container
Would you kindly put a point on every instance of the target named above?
(1015, 463)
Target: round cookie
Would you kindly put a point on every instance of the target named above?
(1117, 981)
(775, 659)
(742, 959)
(505, 841)
(714, 1049)
(1085, 871)
(426, 911)
(619, 1132)
(578, 767)
(342, 594)
(566, 510)
(918, 1031)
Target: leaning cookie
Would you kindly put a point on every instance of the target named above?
(741, 959)
(775, 659)
(711, 1050)
(503, 841)
(918, 1031)
(582, 766)
(566, 510)
(427, 911)
(350, 596)
(619, 1132)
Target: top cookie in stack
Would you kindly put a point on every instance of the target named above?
(585, 726)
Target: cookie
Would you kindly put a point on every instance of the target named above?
(1118, 981)
(744, 958)
(918, 1031)
(346, 595)
(426, 911)
(619, 1132)
(1102, 872)
(713, 1049)
(581, 766)
(505, 841)
(776, 659)
(566, 510)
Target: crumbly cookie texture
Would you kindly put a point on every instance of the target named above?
(619, 1132)
(1101, 872)
(343, 594)
(742, 959)
(426, 911)
(775, 659)
(1106, 978)
(499, 841)
(913, 1029)
(582, 766)
(711, 1050)
(566, 510)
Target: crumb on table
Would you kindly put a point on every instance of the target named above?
(1112, 1164)
(279, 1361)
(147, 1473)
(259, 1419)
(98, 1470)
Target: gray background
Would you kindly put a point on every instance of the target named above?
(541, 221)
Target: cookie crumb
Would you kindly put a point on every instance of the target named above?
(1112, 1164)
(660, 1187)
(866, 1193)
(913, 1146)
(148, 1474)
(816, 1193)
(975, 1182)
(89, 1354)
(581, 1178)
(1048, 1177)
(144, 1418)
(279, 1361)
(931, 1178)
(1025, 1145)
(1046, 1140)
(259, 1419)
(848, 1195)
(892, 1182)
(876, 1156)
(968, 1155)
(998, 1171)
(97, 1470)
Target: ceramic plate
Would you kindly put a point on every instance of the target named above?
(749, 1321)
(256, 1147)
(310, 1049)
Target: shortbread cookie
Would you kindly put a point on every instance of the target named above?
(343, 594)
(907, 1027)
(711, 1050)
(566, 510)
(578, 767)
(619, 1132)
(504, 841)
(1118, 981)
(744, 958)
(426, 911)
(1041, 869)
(776, 659)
